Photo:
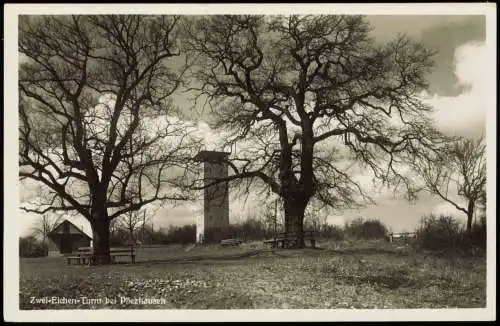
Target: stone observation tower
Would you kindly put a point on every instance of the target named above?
(216, 197)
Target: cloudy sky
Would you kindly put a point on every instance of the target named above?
(457, 92)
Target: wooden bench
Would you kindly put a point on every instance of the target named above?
(123, 252)
(84, 255)
(230, 242)
(289, 239)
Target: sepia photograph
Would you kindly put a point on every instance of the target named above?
(250, 162)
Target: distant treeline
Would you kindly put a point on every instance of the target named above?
(434, 233)
(251, 230)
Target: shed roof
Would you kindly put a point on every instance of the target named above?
(73, 229)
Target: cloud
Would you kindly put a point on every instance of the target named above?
(448, 34)
(212, 140)
(465, 114)
(435, 28)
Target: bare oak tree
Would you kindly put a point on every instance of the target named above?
(311, 95)
(96, 116)
(459, 171)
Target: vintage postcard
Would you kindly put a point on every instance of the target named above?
(250, 162)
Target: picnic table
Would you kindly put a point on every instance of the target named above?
(84, 255)
(289, 239)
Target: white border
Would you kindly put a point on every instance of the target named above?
(11, 196)
(260, 8)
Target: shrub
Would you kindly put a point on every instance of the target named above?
(119, 238)
(439, 233)
(215, 234)
(179, 235)
(329, 231)
(252, 229)
(365, 229)
(31, 247)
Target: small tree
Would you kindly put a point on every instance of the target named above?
(460, 169)
(45, 225)
(315, 215)
(131, 222)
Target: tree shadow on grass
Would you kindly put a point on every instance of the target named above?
(391, 281)
(196, 258)
(374, 251)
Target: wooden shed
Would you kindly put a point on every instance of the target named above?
(67, 238)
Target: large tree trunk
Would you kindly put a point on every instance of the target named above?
(294, 218)
(470, 214)
(100, 230)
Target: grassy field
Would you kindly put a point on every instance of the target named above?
(336, 275)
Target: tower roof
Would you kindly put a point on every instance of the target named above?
(211, 156)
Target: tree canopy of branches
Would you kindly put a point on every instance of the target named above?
(460, 169)
(303, 97)
(97, 124)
